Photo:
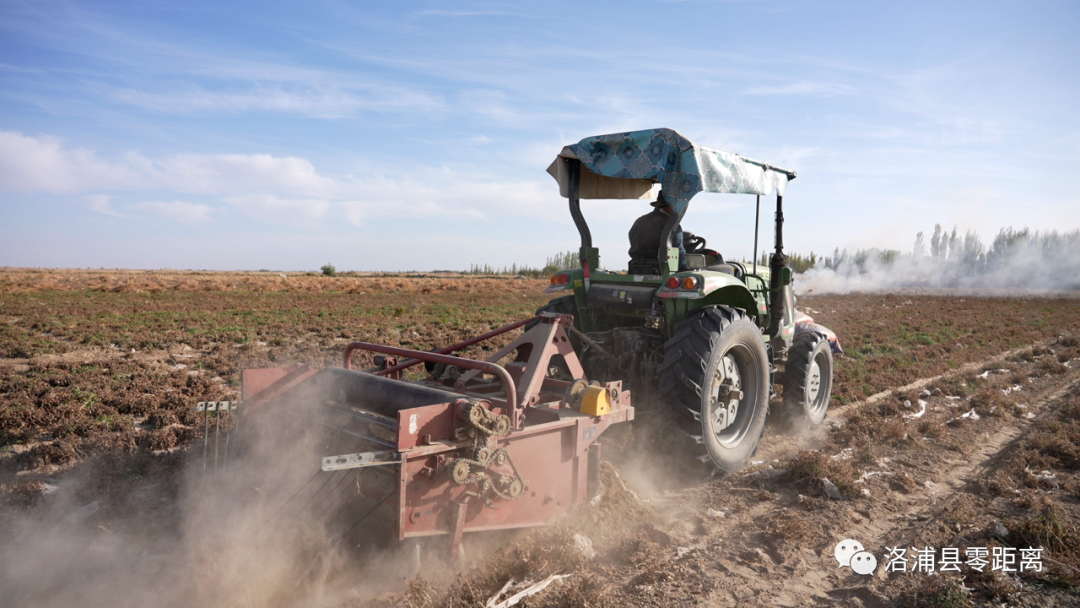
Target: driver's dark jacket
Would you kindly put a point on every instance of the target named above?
(645, 237)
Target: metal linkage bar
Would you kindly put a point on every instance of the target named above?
(442, 351)
(360, 460)
(490, 368)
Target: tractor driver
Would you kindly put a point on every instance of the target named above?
(648, 231)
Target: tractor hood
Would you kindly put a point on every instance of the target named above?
(626, 165)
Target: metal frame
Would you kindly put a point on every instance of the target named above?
(389, 371)
(574, 170)
(550, 447)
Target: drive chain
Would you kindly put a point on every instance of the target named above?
(461, 473)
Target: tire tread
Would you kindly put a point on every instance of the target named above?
(797, 367)
(682, 373)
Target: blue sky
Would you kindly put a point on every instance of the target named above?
(415, 135)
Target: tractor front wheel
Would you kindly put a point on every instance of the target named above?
(807, 381)
(715, 383)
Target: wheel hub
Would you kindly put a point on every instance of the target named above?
(727, 393)
(813, 381)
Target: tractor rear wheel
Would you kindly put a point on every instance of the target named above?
(715, 384)
(807, 381)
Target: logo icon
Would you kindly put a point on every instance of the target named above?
(850, 553)
(844, 550)
(863, 562)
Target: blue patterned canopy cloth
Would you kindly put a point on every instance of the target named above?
(626, 165)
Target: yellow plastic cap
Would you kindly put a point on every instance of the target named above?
(596, 401)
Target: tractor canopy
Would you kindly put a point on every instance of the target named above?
(626, 165)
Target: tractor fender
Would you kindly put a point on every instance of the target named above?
(806, 324)
(712, 289)
(733, 294)
(707, 283)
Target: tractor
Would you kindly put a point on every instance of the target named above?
(704, 341)
(513, 441)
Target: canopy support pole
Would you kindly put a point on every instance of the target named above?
(573, 167)
(669, 233)
(757, 223)
(776, 267)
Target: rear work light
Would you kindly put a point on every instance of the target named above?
(673, 283)
(560, 279)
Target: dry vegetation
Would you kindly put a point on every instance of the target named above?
(99, 371)
(113, 364)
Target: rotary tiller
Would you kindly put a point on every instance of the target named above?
(473, 446)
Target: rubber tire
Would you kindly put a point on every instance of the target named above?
(801, 407)
(688, 377)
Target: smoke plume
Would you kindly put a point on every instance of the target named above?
(1016, 260)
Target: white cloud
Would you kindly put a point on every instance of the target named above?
(100, 203)
(182, 76)
(279, 210)
(307, 99)
(286, 190)
(802, 88)
(43, 164)
(180, 211)
(245, 174)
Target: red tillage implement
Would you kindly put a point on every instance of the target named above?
(474, 446)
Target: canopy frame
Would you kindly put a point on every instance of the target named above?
(627, 165)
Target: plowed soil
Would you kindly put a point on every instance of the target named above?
(99, 372)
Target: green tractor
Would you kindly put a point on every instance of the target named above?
(702, 338)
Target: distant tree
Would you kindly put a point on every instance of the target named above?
(888, 256)
(972, 252)
(563, 261)
(919, 250)
(329, 270)
(954, 246)
(800, 263)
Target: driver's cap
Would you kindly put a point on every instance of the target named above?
(660, 201)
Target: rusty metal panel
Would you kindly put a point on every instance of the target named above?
(423, 425)
(261, 385)
(552, 488)
(254, 381)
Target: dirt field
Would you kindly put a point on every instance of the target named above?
(99, 372)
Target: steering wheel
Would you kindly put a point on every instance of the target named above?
(693, 243)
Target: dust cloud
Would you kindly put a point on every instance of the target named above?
(265, 529)
(1017, 260)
